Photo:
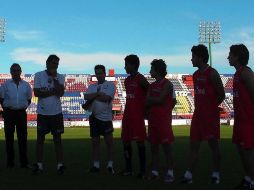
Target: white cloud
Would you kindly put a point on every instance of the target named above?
(70, 61)
(29, 55)
(27, 35)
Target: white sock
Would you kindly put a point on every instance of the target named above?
(110, 164)
(247, 178)
(59, 165)
(155, 172)
(96, 164)
(40, 165)
(188, 174)
(216, 174)
(170, 172)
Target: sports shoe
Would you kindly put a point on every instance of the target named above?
(153, 177)
(251, 186)
(111, 170)
(125, 173)
(244, 184)
(215, 180)
(61, 169)
(36, 170)
(94, 169)
(169, 178)
(186, 180)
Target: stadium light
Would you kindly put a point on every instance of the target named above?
(209, 32)
(2, 29)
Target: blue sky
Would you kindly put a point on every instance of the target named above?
(85, 33)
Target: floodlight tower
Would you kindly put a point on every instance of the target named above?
(209, 32)
(2, 29)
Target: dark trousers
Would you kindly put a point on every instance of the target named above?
(16, 118)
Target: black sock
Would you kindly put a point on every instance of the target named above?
(128, 157)
(142, 158)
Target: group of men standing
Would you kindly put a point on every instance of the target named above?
(16, 96)
(154, 102)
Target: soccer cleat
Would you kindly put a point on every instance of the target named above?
(61, 169)
(111, 170)
(94, 169)
(169, 178)
(215, 180)
(186, 180)
(36, 170)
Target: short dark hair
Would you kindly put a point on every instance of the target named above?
(52, 57)
(133, 60)
(101, 67)
(242, 52)
(15, 65)
(201, 51)
(159, 66)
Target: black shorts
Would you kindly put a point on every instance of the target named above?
(100, 128)
(50, 123)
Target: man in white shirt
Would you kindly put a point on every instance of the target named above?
(15, 97)
(49, 87)
(101, 95)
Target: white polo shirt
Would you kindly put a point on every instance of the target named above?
(102, 110)
(50, 105)
(16, 97)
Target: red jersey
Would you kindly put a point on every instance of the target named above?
(243, 133)
(163, 111)
(133, 124)
(160, 116)
(206, 118)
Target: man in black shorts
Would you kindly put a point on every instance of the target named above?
(49, 87)
(101, 95)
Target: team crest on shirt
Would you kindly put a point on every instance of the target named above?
(130, 96)
(201, 79)
(199, 90)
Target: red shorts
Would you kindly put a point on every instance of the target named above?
(204, 129)
(243, 135)
(133, 128)
(159, 135)
(160, 131)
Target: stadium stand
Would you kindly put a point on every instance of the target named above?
(77, 84)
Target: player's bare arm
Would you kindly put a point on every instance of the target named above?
(248, 78)
(43, 92)
(218, 86)
(59, 88)
(173, 103)
(91, 96)
(144, 83)
(29, 102)
(103, 97)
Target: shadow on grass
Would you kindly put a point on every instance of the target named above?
(77, 159)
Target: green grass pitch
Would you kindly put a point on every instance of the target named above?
(77, 148)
